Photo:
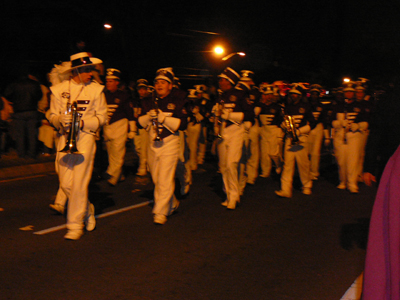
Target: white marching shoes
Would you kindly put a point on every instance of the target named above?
(73, 234)
(283, 194)
(91, 220)
(90, 223)
(307, 191)
(57, 208)
(160, 219)
(229, 205)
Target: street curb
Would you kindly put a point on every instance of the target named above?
(26, 170)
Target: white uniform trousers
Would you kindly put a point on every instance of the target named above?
(162, 164)
(193, 135)
(253, 161)
(291, 158)
(242, 171)
(75, 172)
(141, 144)
(230, 152)
(271, 148)
(183, 170)
(201, 154)
(315, 138)
(348, 157)
(115, 137)
(61, 197)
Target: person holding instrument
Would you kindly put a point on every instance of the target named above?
(75, 170)
(232, 110)
(163, 117)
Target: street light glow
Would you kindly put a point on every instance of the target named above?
(219, 50)
(346, 79)
(232, 54)
(107, 26)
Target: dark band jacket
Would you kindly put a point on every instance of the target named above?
(174, 105)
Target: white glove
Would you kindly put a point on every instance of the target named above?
(195, 110)
(336, 124)
(216, 110)
(199, 117)
(283, 125)
(152, 113)
(131, 135)
(345, 123)
(161, 116)
(354, 127)
(65, 120)
(225, 114)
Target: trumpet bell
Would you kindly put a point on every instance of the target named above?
(70, 146)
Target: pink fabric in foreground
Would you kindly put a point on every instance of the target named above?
(382, 267)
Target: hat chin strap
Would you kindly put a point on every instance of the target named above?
(80, 78)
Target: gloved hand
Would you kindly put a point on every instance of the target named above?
(65, 120)
(354, 127)
(217, 110)
(225, 114)
(152, 113)
(247, 125)
(195, 110)
(345, 123)
(131, 135)
(199, 117)
(161, 116)
(327, 142)
(283, 125)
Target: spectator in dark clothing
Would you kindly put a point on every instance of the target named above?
(24, 94)
(382, 268)
(384, 137)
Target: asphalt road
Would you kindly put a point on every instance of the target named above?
(307, 247)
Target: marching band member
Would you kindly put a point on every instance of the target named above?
(271, 133)
(194, 128)
(361, 96)
(183, 170)
(163, 118)
(349, 123)
(296, 153)
(141, 139)
(119, 127)
(75, 170)
(232, 107)
(248, 124)
(253, 148)
(320, 130)
(205, 107)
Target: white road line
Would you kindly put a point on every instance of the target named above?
(26, 177)
(114, 212)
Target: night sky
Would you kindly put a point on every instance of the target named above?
(311, 41)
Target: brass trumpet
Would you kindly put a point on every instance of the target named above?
(291, 130)
(155, 121)
(70, 146)
(218, 122)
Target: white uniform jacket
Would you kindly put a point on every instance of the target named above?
(91, 104)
